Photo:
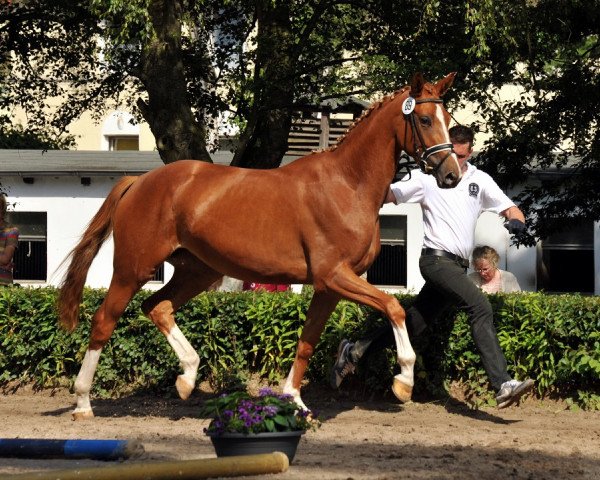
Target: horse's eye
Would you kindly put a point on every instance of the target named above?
(425, 121)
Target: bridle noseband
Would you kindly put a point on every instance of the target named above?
(422, 159)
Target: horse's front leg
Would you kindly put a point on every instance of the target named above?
(321, 306)
(349, 285)
(405, 380)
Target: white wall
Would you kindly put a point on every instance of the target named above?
(414, 242)
(69, 207)
(490, 231)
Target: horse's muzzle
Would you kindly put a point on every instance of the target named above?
(448, 180)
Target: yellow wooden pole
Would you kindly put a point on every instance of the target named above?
(234, 466)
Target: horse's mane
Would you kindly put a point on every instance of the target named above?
(365, 114)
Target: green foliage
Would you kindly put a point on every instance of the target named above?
(33, 349)
(15, 137)
(276, 325)
(555, 336)
(554, 339)
(533, 84)
(52, 69)
(127, 21)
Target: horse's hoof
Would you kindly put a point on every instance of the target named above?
(402, 391)
(184, 387)
(82, 415)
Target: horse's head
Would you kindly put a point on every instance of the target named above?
(424, 134)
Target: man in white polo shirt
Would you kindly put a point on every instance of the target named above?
(449, 219)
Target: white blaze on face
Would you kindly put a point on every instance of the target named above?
(439, 115)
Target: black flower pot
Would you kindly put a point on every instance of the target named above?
(229, 444)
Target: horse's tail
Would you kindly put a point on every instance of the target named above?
(98, 230)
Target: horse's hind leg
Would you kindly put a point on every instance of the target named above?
(191, 277)
(103, 324)
(321, 306)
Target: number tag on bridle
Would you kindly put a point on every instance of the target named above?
(408, 105)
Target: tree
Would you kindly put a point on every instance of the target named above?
(39, 62)
(548, 138)
(182, 65)
(187, 62)
(15, 137)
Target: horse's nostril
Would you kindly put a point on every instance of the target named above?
(450, 178)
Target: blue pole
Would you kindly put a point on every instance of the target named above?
(50, 448)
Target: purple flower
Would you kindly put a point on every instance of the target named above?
(270, 410)
(266, 391)
(240, 412)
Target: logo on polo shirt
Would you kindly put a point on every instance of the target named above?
(473, 189)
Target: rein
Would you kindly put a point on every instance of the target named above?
(422, 159)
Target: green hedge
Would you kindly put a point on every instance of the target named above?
(554, 339)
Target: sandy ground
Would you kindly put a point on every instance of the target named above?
(358, 439)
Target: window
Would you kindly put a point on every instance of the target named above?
(120, 131)
(159, 275)
(123, 143)
(30, 258)
(389, 268)
(566, 261)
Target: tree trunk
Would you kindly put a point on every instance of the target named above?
(179, 135)
(264, 140)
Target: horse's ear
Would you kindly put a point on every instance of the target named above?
(443, 85)
(416, 85)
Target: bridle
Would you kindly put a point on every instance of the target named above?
(422, 152)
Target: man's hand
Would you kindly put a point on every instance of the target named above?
(515, 227)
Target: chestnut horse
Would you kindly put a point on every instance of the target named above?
(314, 221)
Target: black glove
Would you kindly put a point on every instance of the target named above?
(515, 227)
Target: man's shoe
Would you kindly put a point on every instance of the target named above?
(343, 366)
(510, 392)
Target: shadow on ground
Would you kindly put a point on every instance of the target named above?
(326, 402)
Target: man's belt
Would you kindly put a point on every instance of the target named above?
(443, 253)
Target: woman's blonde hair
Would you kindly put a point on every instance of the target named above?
(484, 252)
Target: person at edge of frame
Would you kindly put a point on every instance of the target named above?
(9, 240)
